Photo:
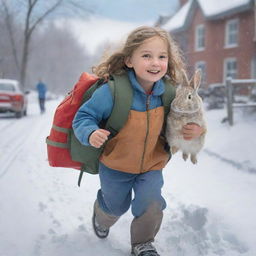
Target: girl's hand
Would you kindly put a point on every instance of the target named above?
(192, 131)
(98, 137)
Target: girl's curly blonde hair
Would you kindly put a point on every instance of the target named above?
(115, 64)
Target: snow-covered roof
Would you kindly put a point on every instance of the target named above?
(210, 9)
(178, 20)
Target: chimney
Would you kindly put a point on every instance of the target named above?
(182, 2)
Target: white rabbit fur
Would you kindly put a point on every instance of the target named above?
(186, 108)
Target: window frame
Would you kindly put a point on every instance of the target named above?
(226, 61)
(228, 34)
(200, 38)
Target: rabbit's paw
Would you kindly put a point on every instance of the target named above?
(185, 156)
(174, 149)
(193, 159)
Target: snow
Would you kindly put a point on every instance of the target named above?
(209, 8)
(178, 20)
(243, 81)
(211, 206)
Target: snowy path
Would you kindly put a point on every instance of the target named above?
(247, 167)
(211, 206)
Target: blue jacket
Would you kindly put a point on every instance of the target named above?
(100, 105)
(41, 88)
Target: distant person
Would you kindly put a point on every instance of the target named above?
(41, 89)
(133, 160)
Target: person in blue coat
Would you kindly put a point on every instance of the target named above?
(41, 89)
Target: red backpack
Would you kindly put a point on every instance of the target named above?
(63, 148)
(57, 142)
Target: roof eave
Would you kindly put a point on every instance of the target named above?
(177, 30)
(239, 9)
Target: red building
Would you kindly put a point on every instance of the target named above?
(218, 37)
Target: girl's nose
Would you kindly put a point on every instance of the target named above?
(155, 61)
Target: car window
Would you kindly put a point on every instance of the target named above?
(7, 87)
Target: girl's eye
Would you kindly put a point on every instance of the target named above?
(146, 56)
(163, 57)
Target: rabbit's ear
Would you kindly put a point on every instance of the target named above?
(184, 78)
(196, 79)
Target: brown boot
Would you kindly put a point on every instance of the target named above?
(145, 227)
(102, 221)
(145, 249)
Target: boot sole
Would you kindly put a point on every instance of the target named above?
(95, 229)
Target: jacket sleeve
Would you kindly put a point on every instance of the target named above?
(91, 113)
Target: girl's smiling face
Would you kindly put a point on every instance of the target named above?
(149, 61)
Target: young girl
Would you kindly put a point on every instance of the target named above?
(135, 157)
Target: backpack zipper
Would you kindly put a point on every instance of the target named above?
(147, 132)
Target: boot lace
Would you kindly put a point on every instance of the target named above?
(145, 249)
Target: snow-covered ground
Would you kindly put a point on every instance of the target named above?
(211, 206)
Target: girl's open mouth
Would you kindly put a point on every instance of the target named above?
(153, 71)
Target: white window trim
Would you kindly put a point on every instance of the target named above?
(200, 62)
(196, 38)
(225, 67)
(227, 33)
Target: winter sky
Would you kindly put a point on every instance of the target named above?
(133, 10)
(112, 19)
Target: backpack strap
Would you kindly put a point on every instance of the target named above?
(91, 90)
(122, 92)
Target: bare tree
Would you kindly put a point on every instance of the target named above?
(57, 58)
(9, 25)
(30, 26)
(35, 12)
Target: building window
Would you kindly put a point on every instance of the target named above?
(202, 66)
(231, 37)
(200, 38)
(230, 68)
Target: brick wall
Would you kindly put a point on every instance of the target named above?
(215, 51)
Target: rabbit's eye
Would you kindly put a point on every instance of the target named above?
(189, 96)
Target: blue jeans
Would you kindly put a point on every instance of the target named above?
(42, 105)
(115, 195)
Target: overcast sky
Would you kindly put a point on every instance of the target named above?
(114, 19)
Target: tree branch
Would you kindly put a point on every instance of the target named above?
(42, 17)
(11, 34)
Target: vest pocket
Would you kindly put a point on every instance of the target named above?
(110, 146)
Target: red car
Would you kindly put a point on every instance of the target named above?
(12, 99)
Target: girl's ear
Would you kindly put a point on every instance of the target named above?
(196, 79)
(127, 62)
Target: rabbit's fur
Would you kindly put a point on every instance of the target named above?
(186, 108)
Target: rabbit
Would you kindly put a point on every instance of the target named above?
(186, 108)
